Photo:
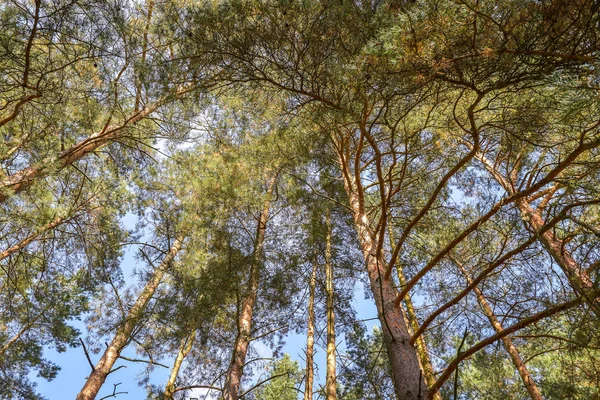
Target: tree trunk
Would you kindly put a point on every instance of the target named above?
(123, 335)
(529, 383)
(330, 381)
(240, 349)
(310, 336)
(413, 322)
(184, 350)
(406, 372)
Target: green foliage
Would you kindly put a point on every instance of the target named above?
(490, 375)
(445, 121)
(284, 377)
(366, 372)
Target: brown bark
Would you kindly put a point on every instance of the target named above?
(123, 335)
(184, 350)
(423, 352)
(406, 372)
(530, 385)
(310, 335)
(330, 381)
(240, 349)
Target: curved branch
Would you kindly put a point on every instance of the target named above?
(197, 387)
(507, 331)
(24, 178)
(497, 207)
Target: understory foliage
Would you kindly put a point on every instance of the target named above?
(192, 185)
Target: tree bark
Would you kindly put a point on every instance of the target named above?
(310, 335)
(184, 350)
(423, 352)
(330, 381)
(240, 349)
(123, 335)
(530, 385)
(406, 372)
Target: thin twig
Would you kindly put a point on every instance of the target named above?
(462, 342)
(87, 355)
(114, 393)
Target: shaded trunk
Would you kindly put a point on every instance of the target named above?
(529, 383)
(330, 382)
(240, 349)
(123, 335)
(404, 362)
(184, 350)
(310, 335)
(413, 322)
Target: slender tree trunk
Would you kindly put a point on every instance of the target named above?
(240, 349)
(184, 350)
(578, 277)
(123, 335)
(310, 336)
(330, 382)
(529, 383)
(413, 322)
(406, 372)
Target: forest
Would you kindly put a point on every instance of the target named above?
(299, 199)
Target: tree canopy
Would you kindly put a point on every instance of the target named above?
(268, 163)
